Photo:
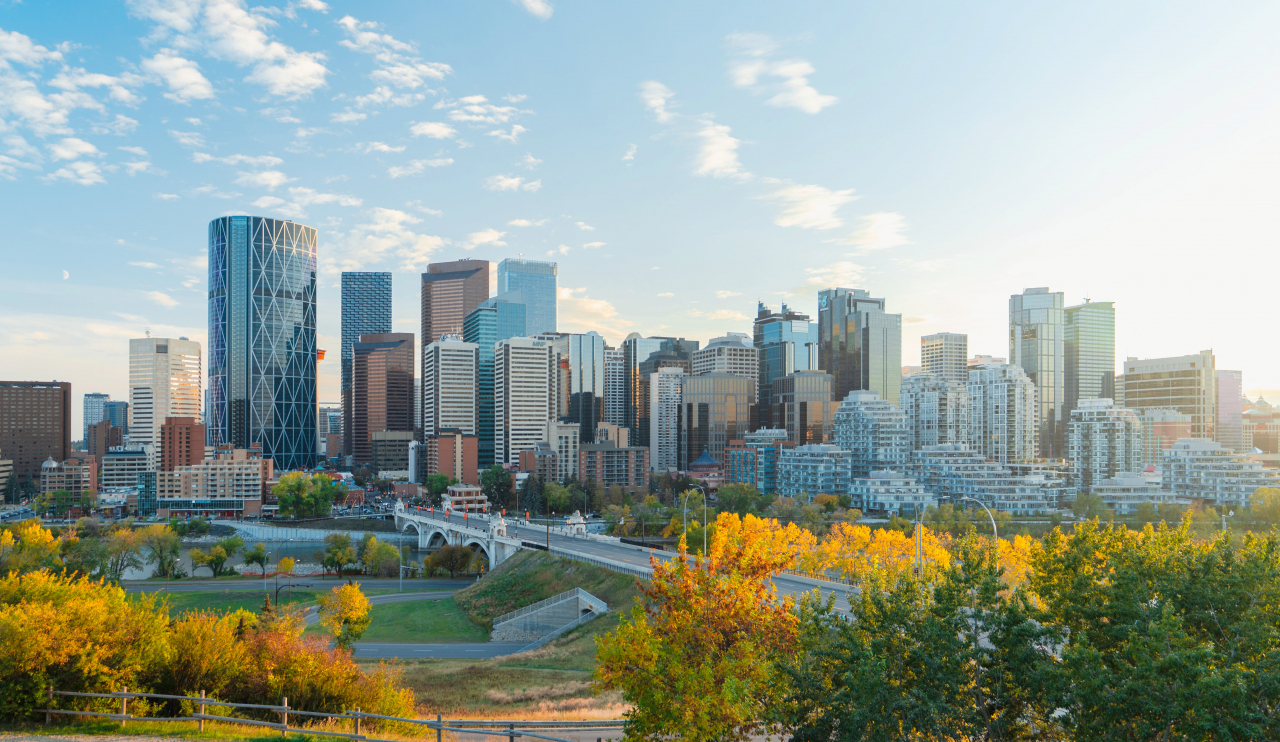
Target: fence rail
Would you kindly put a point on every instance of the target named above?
(511, 729)
(629, 569)
(566, 595)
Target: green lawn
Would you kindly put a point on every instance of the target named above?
(422, 621)
(226, 601)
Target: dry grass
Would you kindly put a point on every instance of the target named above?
(571, 688)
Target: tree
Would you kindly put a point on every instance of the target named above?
(28, 546)
(530, 500)
(1089, 505)
(285, 565)
(123, 548)
(344, 611)
(162, 548)
(257, 555)
(379, 558)
(436, 485)
(558, 497)
(453, 559)
(216, 558)
(1146, 513)
(699, 658)
(495, 482)
(338, 552)
(1264, 503)
(304, 495)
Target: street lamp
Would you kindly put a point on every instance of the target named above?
(704, 514)
(994, 533)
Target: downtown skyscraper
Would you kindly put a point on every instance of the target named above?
(164, 382)
(1037, 345)
(450, 291)
(1089, 346)
(535, 280)
(366, 310)
(859, 343)
(262, 338)
(788, 342)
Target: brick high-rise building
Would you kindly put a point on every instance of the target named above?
(382, 389)
(101, 437)
(35, 424)
(451, 291)
(454, 453)
(181, 443)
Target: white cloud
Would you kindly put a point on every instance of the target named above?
(269, 179)
(73, 78)
(72, 148)
(727, 294)
(15, 47)
(347, 117)
(161, 298)
(508, 183)
(477, 109)
(727, 314)
(80, 171)
(631, 153)
(187, 138)
(417, 166)
(490, 237)
(529, 162)
(539, 8)
(433, 129)
(526, 223)
(789, 87)
(251, 160)
(139, 151)
(585, 227)
(387, 234)
(926, 266)
(655, 96)
(810, 206)
(417, 206)
(842, 273)
(44, 115)
(879, 231)
(594, 245)
(167, 196)
(666, 293)
(576, 312)
(316, 5)
(208, 190)
(141, 166)
(183, 76)
(385, 96)
(119, 126)
(562, 250)
(718, 156)
(307, 197)
(513, 136)
(397, 65)
(378, 147)
(515, 98)
(143, 264)
(281, 114)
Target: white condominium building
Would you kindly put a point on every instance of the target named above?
(937, 410)
(665, 390)
(1204, 470)
(450, 383)
(954, 472)
(615, 387)
(815, 469)
(1103, 441)
(1123, 493)
(890, 492)
(873, 431)
(731, 354)
(1003, 424)
(525, 391)
(564, 439)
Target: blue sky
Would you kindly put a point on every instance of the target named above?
(679, 160)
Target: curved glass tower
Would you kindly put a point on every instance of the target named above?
(262, 338)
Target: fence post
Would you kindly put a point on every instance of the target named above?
(284, 717)
(439, 722)
(202, 712)
(124, 704)
(48, 713)
(357, 721)
(511, 733)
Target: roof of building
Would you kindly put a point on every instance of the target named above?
(704, 462)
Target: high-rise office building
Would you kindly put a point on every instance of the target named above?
(181, 443)
(945, 354)
(94, 403)
(262, 339)
(495, 319)
(536, 282)
(787, 342)
(381, 389)
(937, 409)
(566, 440)
(366, 310)
(859, 343)
(730, 354)
(1003, 415)
(1229, 426)
(451, 291)
(586, 366)
(715, 408)
(663, 425)
(615, 387)
(1090, 351)
(1103, 441)
(451, 385)
(35, 425)
(164, 382)
(524, 395)
(642, 357)
(802, 405)
(874, 432)
(1187, 384)
(329, 430)
(1037, 345)
(102, 437)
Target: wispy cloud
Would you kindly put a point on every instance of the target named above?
(727, 294)
(433, 130)
(631, 153)
(250, 160)
(512, 136)
(161, 298)
(879, 231)
(417, 166)
(509, 183)
(490, 237)
(785, 81)
(593, 245)
(655, 96)
(526, 223)
(810, 206)
(718, 155)
(537, 8)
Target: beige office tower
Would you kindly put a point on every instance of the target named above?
(164, 381)
(1187, 384)
(945, 354)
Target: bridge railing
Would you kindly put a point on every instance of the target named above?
(566, 595)
(628, 569)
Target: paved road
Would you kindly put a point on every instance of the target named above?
(248, 584)
(637, 556)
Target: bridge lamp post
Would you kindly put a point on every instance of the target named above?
(995, 534)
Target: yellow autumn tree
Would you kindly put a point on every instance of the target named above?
(1015, 559)
(699, 658)
(344, 611)
(851, 550)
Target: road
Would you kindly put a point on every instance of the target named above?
(250, 584)
(638, 556)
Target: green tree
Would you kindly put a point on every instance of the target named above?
(558, 497)
(123, 547)
(436, 485)
(161, 548)
(1089, 505)
(338, 553)
(1264, 503)
(495, 482)
(453, 559)
(1146, 513)
(303, 495)
(257, 555)
(530, 500)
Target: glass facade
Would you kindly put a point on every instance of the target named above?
(366, 310)
(714, 409)
(495, 319)
(262, 338)
(641, 357)
(802, 405)
(788, 342)
(859, 343)
(586, 383)
(118, 413)
(1036, 345)
(1090, 349)
(536, 282)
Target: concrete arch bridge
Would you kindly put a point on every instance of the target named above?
(486, 535)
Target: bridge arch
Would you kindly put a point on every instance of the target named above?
(480, 547)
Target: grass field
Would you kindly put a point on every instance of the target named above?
(422, 621)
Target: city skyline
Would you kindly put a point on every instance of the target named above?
(1073, 189)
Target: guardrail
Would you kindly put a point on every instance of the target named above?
(629, 569)
(566, 595)
(575, 623)
(514, 728)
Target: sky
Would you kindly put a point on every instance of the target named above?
(680, 161)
